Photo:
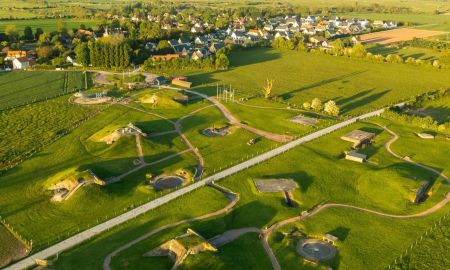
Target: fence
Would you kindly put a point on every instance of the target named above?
(27, 243)
(409, 250)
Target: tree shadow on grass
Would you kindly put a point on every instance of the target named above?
(290, 94)
(363, 102)
(342, 100)
(340, 232)
(252, 214)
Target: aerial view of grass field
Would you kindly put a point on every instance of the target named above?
(295, 134)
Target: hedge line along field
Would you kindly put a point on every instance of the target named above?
(18, 88)
(356, 85)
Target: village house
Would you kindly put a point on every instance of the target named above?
(23, 63)
(73, 61)
(11, 55)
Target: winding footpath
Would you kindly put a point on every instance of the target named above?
(133, 213)
(234, 121)
(107, 261)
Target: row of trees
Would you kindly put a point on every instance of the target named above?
(330, 107)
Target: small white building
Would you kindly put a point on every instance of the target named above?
(355, 156)
(23, 63)
(72, 61)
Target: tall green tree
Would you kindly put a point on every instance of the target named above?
(82, 54)
(28, 33)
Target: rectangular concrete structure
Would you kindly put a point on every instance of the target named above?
(275, 185)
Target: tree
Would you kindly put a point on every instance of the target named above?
(338, 47)
(394, 58)
(82, 54)
(331, 108)
(267, 90)
(163, 45)
(11, 32)
(44, 39)
(44, 52)
(316, 104)
(306, 105)
(28, 33)
(358, 50)
(61, 27)
(38, 32)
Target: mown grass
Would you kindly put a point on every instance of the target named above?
(25, 199)
(357, 86)
(18, 88)
(185, 207)
(323, 176)
(410, 145)
(365, 241)
(431, 250)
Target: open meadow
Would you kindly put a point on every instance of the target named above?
(356, 86)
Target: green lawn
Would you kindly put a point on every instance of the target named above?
(94, 251)
(25, 199)
(246, 252)
(430, 252)
(20, 87)
(365, 241)
(383, 184)
(357, 86)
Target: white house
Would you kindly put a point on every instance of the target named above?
(72, 61)
(23, 63)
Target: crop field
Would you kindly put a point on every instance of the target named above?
(396, 35)
(356, 86)
(47, 25)
(18, 88)
(424, 21)
(14, 249)
(33, 126)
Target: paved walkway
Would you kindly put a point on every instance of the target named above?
(87, 234)
(226, 209)
(234, 121)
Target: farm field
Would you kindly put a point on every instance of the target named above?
(356, 86)
(14, 248)
(47, 25)
(18, 88)
(31, 127)
(396, 35)
(338, 180)
(424, 21)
